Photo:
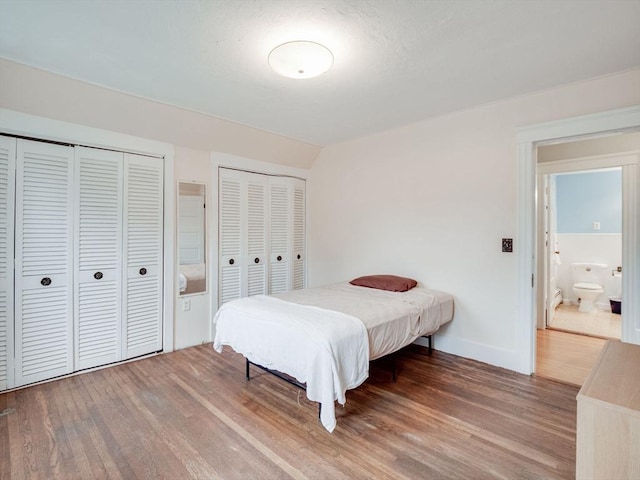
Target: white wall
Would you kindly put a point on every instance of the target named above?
(37, 92)
(432, 200)
(192, 327)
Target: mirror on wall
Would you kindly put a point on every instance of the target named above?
(192, 271)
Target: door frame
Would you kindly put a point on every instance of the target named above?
(527, 284)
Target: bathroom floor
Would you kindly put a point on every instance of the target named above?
(600, 323)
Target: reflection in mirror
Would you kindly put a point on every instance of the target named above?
(192, 270)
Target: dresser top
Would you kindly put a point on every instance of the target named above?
(615, 378)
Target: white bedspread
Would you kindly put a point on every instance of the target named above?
(392, 319)
(326, 349)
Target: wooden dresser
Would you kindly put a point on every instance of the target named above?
(608, 424)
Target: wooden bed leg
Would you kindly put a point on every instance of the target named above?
(246, 374)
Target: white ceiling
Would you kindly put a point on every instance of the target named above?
(396, 61)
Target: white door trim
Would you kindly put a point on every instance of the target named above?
(527, 139)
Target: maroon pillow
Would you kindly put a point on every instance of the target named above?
(385, 282)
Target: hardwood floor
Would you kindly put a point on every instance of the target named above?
(191, 414)
(566, 357)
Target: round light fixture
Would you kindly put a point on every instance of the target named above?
(300, 59)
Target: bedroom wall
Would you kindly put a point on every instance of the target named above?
(432, 200)
(37, 92)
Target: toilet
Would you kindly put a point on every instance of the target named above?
(588, 284)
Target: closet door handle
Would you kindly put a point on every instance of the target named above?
(98, 275)
(298, 256)
(45, 282)
(143, 271)
(231, 261)
(279, 258)
(257, 260)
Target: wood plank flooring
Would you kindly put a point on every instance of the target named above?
(566, 357)
(191, 414)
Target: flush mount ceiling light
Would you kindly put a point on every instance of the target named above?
(300, 59)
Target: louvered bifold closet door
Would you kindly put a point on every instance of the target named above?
(7, 197)
(279, 234)
(230, 235)
(44, 261)
(143, 210)
(256, 233)
(299, 214)
(98, 258)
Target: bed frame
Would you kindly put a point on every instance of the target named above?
(302, 386)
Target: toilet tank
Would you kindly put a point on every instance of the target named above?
(588, 272)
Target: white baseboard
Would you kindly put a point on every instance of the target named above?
(499, 357)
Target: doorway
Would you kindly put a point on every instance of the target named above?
(580, 238)
(529, 284)
(579, 198)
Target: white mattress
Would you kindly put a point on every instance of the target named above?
(392, 319)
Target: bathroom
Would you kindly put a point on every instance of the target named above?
(587, 208)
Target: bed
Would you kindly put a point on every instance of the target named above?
(325, 337)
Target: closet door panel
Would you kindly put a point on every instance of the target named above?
(44, 261)
(256, 235)
(279, 233)
(299, 214)
(98, 259)
(143, 210)
(230, 236)
(7, 196)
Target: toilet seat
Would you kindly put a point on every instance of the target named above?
(588, 286)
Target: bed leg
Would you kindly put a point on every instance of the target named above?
(319, 411)
(430, 340)
(246, 373)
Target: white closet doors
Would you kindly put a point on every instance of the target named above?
(98, 258)
(256, 235)
(279, 233)
(119, 257)
(261, 234)
(7, 197)
(287, 234)
(44, 261)
(118, 294)
(230, 234)
(86, 287)
(143, 227)
(242, 234)
(298, 227)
